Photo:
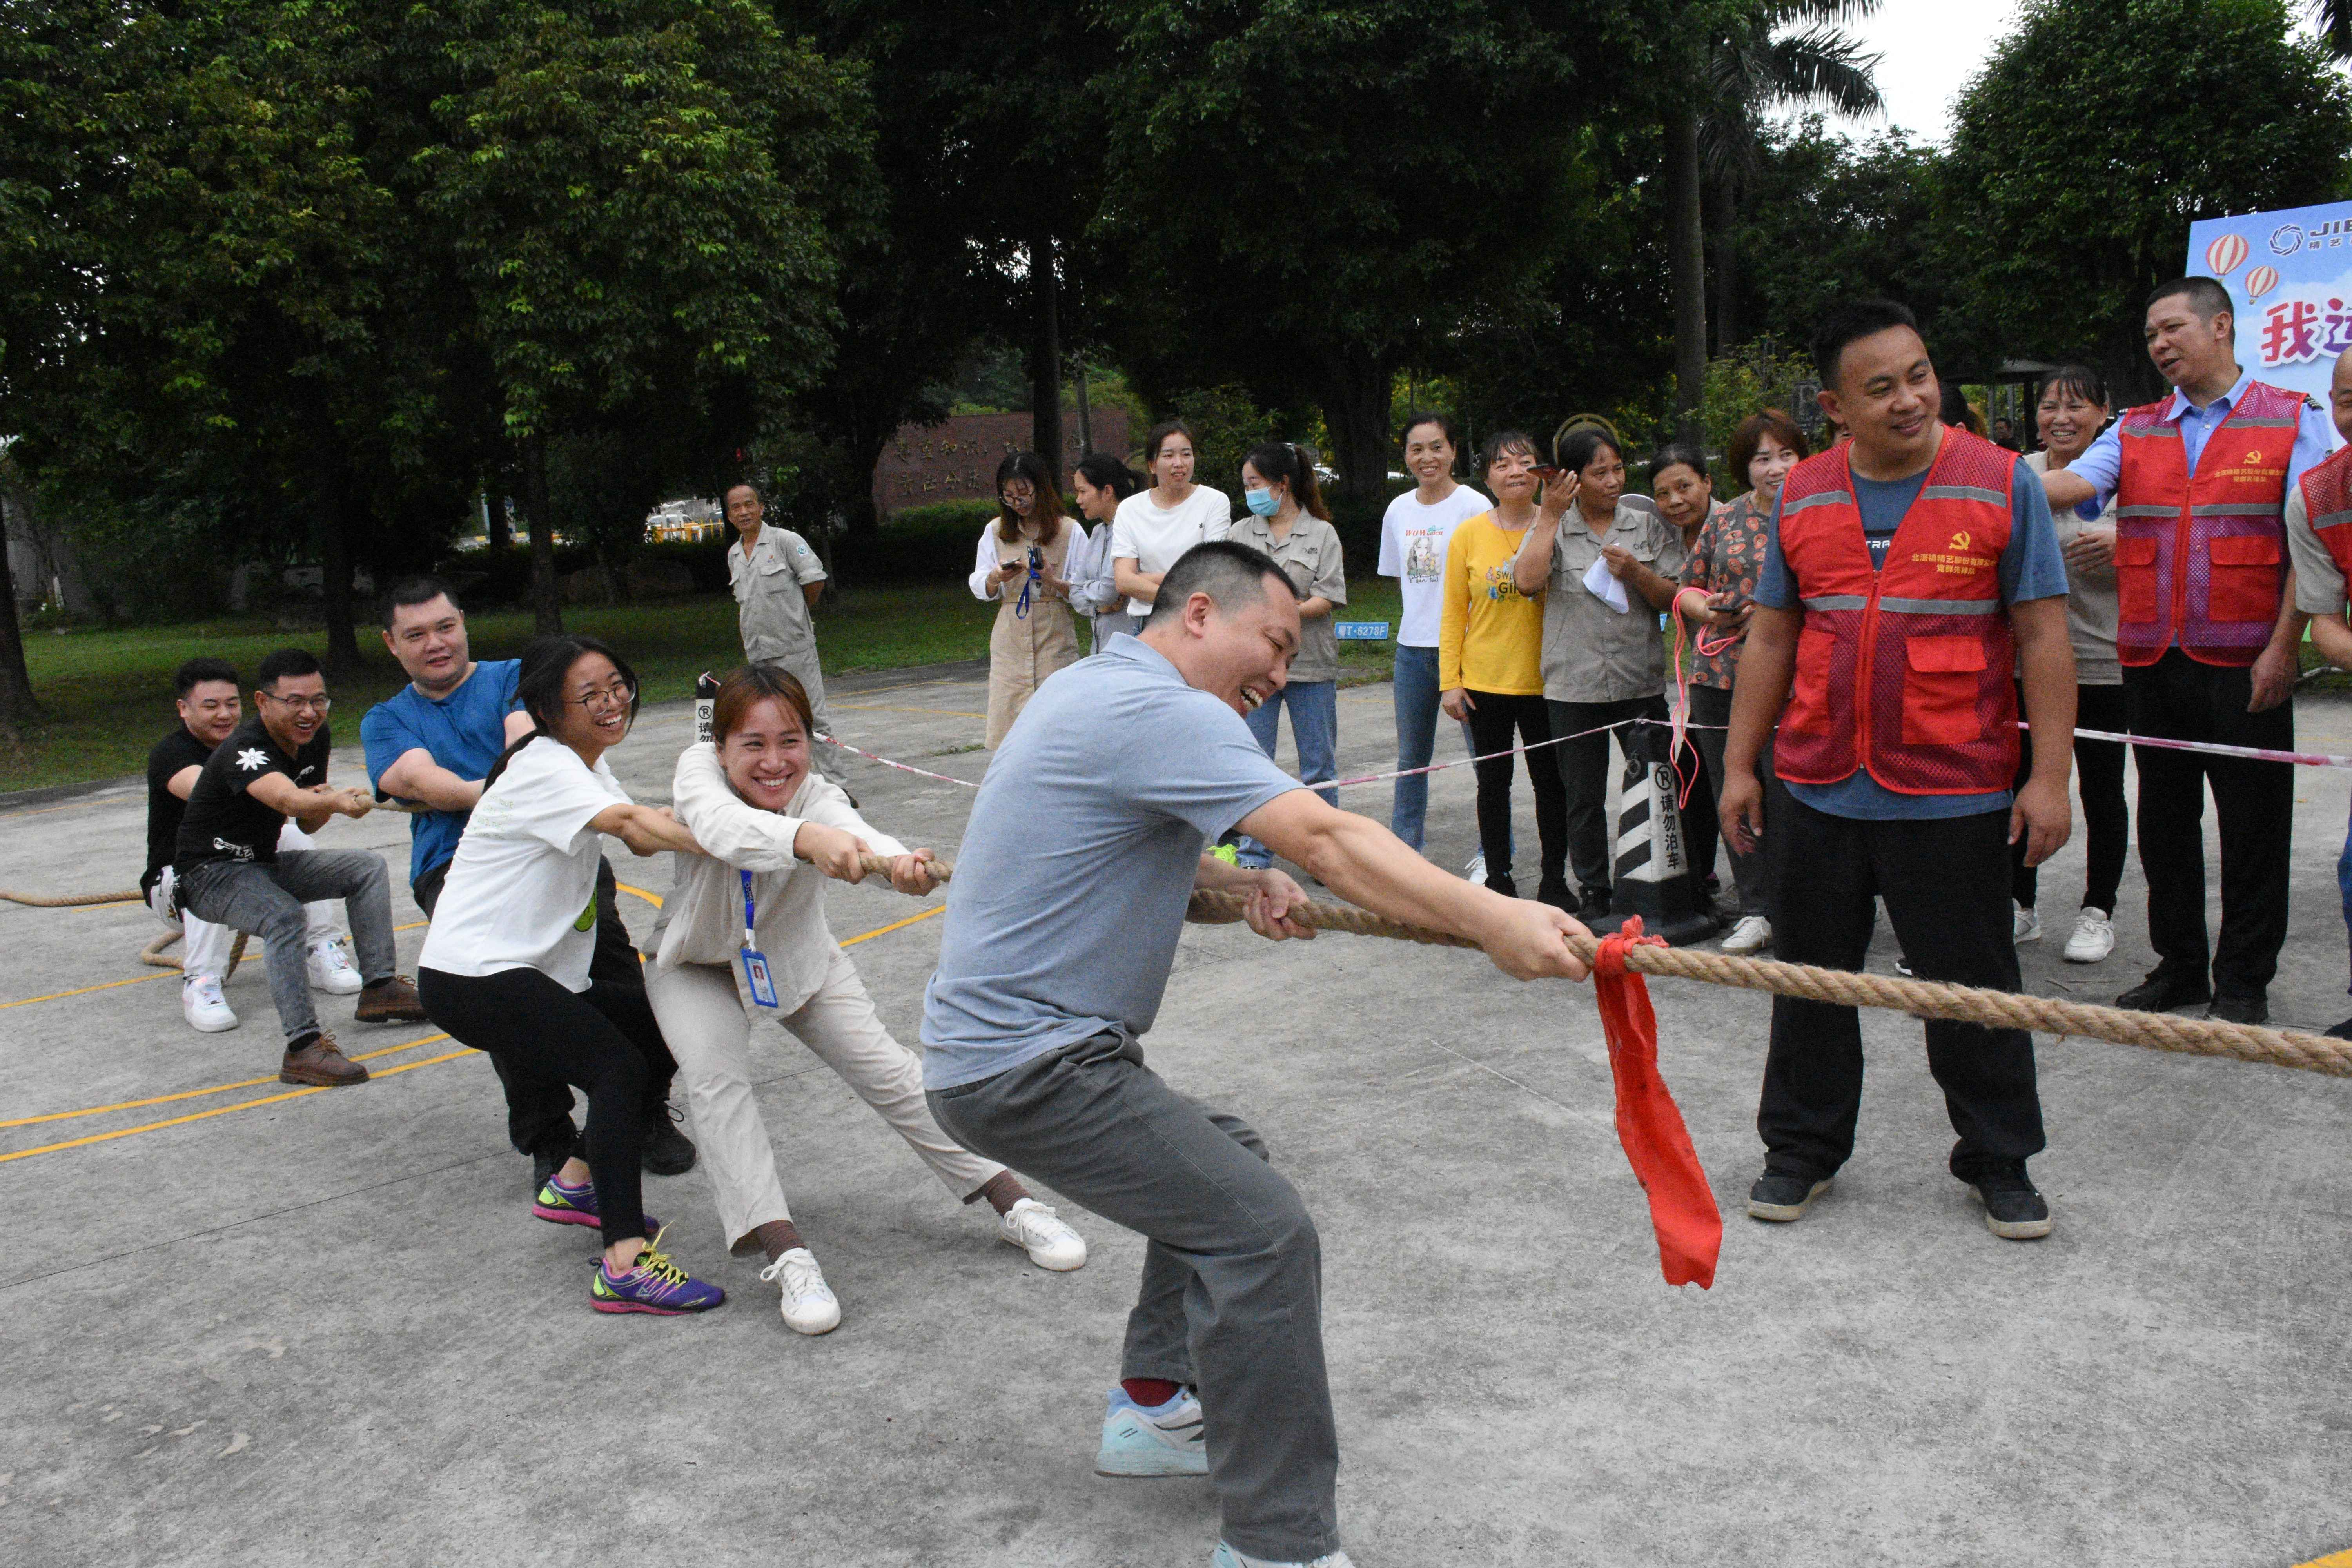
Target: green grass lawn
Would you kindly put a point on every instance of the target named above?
(109, 692)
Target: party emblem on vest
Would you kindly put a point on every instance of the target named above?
(1960, 540)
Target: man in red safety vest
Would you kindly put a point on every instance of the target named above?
(2319, 541)
(1911, 581)
(2207, 630)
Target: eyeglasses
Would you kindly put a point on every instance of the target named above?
(301, 704)
(618, 695)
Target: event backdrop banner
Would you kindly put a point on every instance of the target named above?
(2289, 274)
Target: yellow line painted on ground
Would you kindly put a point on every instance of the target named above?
(2333, 1560)
(169, 974)
(217, 1110)
(216, 1089)
(640, 892)
(896, 925)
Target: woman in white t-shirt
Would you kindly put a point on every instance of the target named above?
(1414, 536)
(772, 831)
(505, 966)
(1155, 526)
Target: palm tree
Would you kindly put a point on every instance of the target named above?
(1763, 54)
(2335, 19)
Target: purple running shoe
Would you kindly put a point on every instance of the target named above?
(652, 1284)
(564, 1205)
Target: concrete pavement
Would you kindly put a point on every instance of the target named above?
(326, 1329)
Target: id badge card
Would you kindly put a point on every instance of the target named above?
(755, 970)
(755, 963)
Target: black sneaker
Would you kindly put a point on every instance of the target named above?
(1779, 1196)
(1503, 885)
(2342, 1031)
(1591, 904)
(2162, 993)
(543, 1167)
(668, 1152)
(2014, 1211)
(1554, 891)
(2255, 1009)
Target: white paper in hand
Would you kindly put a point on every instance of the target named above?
(1603, 586)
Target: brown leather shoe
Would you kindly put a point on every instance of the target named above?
(394, 1002)
(322, 1063)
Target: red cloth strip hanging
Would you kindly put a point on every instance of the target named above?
(1649, 1124)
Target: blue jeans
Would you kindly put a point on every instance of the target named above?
(1315, 728)
(1415, 689)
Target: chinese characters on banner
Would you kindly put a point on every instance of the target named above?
(2289, 274)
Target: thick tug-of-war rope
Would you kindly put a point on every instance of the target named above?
(69, 900)
(1922, 998)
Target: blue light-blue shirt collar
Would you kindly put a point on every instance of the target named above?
(2177, 405)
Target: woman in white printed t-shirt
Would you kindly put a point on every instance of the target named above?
(772, 830)
(505, 965)
(1156, 526)
(1413, 535)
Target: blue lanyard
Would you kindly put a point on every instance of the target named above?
(750, 912)
(755, 963)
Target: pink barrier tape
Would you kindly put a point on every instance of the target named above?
(2210, 748)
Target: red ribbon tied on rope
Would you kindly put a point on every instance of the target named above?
(1649, 1124)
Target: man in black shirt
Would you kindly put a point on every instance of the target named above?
(209, 711)
(229, 870)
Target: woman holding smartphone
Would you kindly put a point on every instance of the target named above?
(771, 831)
(1023, 557)
(505, 967)
(1414, 531)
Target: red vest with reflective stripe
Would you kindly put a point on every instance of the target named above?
(2328, 503)
(1907, 670)
(2201, 558)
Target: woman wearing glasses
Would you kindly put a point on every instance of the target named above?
(1024, 555)
(771, 832)
(505, 966)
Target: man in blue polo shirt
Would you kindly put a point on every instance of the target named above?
(432, 742)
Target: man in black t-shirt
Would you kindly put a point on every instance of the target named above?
(209, 711)
(230, 871)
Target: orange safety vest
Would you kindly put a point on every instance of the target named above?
(1906, 671)
(2201, 558)
(2328, 503)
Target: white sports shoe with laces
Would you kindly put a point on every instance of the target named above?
(2024, 924)
(204, 1006)
(2094, 938)
(1037, 1230)
(330, 968)
(1752, 934)
(809, 1304)
(1227, 1557)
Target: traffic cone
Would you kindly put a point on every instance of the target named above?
(1653, 876)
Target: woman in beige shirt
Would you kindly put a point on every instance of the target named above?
(1022, 568)
(772, 831)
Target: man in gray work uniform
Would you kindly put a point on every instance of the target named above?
(776, 578)
(1055, 954)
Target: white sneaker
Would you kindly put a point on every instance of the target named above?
(2094, 938)
(1143, 1441)
(1037, 1231)
(1477, 870)
(202, 1004)
(809, 1305)
(2024, 924)
(1228, 1557)
(330, 968)
(1752, 934)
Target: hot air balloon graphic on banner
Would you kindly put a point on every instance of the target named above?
(2225, 253)
(2261, 281)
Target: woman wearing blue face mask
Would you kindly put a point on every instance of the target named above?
(1287, 519)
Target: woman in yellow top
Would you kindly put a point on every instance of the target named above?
(1490, 660)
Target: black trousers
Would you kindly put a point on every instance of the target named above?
(603, 1039)
(539, 1110)
(1493, 719)
(2099, 778)
(1584, 773)
(1946, 884)
(2180, 699)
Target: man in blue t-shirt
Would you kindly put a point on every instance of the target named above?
(432, 742)
(1934, 847)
